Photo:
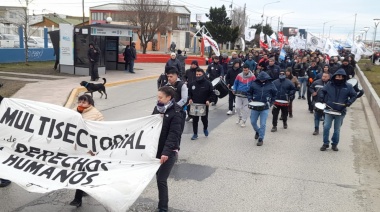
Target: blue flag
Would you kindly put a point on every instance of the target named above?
(282, 54)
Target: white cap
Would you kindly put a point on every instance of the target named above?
(172, 54)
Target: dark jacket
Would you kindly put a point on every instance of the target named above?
(262, 92)
(231, 75)
(333, 67)
(300, 69)
(200, 91)
(338, 97)
(190, 75)
(312, 73)
(214, 70)
(127, 54)
(231, 62)
(162, 80)
(91, 54)
(285, 89)
(349, 69)
(171, 131)
(273, 71)
(133, 52)
(252, 64)
(182, 59)
(316, 87)
(176, 63)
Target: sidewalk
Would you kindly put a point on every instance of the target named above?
(58, 91)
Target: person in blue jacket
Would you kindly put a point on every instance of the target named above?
(338, 95)
(261, 90)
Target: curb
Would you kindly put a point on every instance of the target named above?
(75, 92)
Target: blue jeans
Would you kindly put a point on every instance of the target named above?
(131, 65)
(302, 81)
(263, 120)
(317, 119)
(338, 120)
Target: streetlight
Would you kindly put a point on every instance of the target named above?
(323, 32)
(282, 16)
(330, 30)
(366, 30)
(262, 16)
(377, 21)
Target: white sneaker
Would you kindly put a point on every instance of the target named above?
(191, 120)
(243, 124)
(238, 121)
(229, 112)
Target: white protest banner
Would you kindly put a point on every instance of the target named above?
(314, 42)
(208, 41)
(249, 34)
(43, 147)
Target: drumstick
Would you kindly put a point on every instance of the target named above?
(337, 103)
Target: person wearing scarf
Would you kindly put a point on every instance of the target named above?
(169, 141)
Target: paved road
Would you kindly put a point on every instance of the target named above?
(228, 172)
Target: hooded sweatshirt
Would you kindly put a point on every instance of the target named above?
(338, 94)
(262, 91)
(243, 82)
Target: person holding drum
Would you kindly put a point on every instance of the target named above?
(296, 84)
(230, 80)
(190, 77)
(315, 89)
(200, 93)
(285, 88)
(261, 96)
(214, 70)
(241, 85)
(337, 95)
(312, 73)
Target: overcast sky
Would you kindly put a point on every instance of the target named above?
(338, 15)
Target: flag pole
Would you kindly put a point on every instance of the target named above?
(353, 34)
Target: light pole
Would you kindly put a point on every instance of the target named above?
(366, 30)
(377, 21)
(262, 16)
(323, 32)
(282, 16)
(330, 30)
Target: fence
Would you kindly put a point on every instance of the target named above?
(18, 55)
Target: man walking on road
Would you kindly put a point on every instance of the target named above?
(261, 90)
(337, 95)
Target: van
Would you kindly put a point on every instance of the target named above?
(38, 42)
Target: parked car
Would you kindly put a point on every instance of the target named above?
(9, 41)
(38, 42)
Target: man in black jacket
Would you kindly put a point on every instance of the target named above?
(312, 73)
(285, 89)
(214, 70)
(349, 69)
(230, 80)
(200, 92)
(273, 70)
(93, 55)
(173, 61)
(315, 89)
(300, 73)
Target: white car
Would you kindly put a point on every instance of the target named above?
(38, 42)
(9, 41)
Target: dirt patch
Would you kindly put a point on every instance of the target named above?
(10, 87)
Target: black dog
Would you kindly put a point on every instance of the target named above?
(91, 87)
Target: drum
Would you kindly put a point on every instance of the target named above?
(259, 106)
(281, 103)
(319, 107)
(221, 87)
(197, 109)
(353, 82)
(241, 94)
(332, 112)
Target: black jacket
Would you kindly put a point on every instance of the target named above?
(127, 54)
(273, 71)
(190, 75)
(317, 86)
(262, 92)
(285, 89)
(171, 131)
(176, 63)
(214, 70)
(200, 91)
(300, 69)
(338, 97)
(350, 70)
(91, 54)
(231, 76)
(312, 73)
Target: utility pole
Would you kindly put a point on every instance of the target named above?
(244, 16)
(353, 34)
(278, 24)
(82, 12)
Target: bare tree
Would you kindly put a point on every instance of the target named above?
(239, 18)
(152, 16)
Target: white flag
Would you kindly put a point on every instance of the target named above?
(314, 42)
(208, 41)
(273, 36)
(330, 49)
(249, 34)
(269, 41)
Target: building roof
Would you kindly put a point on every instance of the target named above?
(5, 8)
(178, 9)
(59, 20)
